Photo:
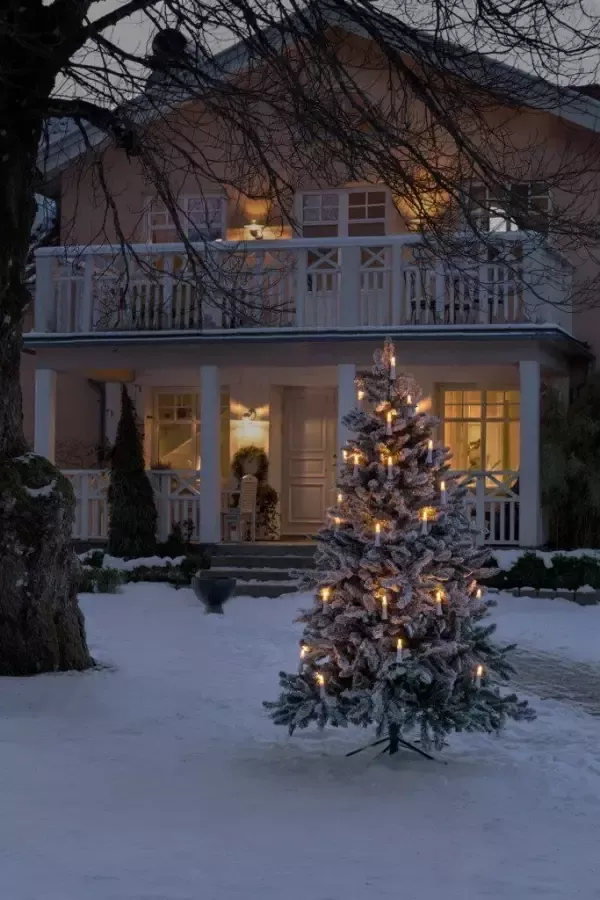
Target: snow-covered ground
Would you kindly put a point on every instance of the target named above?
(159, 777)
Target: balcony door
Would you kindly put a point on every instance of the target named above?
(308, 447)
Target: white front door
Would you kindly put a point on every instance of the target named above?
(308, 447)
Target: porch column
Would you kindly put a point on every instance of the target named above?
(529, 469)
(346, 402)
(44, 427)
(210, 456)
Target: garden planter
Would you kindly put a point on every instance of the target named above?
(213, 590)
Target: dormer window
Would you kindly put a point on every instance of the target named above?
(200, 218)
(352, 212)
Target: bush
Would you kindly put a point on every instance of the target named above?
(530, 570)
(132, 511)
(93, 580)
(86, 582)
(178, 542)
(566, 573)
(95, 559)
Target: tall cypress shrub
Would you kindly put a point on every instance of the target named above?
(131, 507)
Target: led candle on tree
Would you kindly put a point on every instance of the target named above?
(389, 467)
(378, 534)
(360, 396)
(399, 650)
(409, 403)
(478, 675)
(356, 463)
(429, 452)
(388, 424)
(393, 368)
(384, 607)
(442, 493)
(325, 594)
(303, 652)
(424, 521)
(339, 497)
(320, 678)
(438, 604)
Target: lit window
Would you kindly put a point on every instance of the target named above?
(482, 429)
(351, 213)
(176, 431)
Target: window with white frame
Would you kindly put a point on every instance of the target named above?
(200, 217)
(482, 428)
(345, 213)
(524, 206)
(176, 430)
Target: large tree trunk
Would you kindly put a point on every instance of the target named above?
(41, 627)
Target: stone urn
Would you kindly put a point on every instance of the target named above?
(213, 590)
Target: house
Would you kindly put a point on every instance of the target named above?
(262, 346)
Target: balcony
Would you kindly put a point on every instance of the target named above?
(301, 285)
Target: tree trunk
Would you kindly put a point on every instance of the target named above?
(41, 627)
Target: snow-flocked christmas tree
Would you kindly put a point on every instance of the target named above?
(395, 637)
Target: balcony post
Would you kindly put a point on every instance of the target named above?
(44, 433)
(346, 402)
(86, 300)
(44, 304)
(349, 291)
(210, 456)
(529, 469)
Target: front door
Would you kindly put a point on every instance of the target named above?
(308, 446)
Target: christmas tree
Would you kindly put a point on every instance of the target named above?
(132, 511)
(395, 637)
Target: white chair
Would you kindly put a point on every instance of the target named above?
(244, 514)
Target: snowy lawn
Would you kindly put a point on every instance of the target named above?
(550, 625)
(161, 778)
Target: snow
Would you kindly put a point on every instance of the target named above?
(128, 565)
(44, 491)
(507, 558)
(550, 625)
(159, 776)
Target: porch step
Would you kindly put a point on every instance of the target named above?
(263, 569)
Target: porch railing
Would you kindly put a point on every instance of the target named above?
(300, 283)
(492, 498)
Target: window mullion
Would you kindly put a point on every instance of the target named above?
(343, 210)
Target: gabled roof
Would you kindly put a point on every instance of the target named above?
(64, 141)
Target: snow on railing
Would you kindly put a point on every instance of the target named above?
(298, 283)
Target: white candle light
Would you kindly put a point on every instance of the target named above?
(424, 522)
(321, 682)
(478, 593)
(438, 604)
(429, 452)
(339, 497)
(325, 594)
(409, 403)
(356, 462)
(388, 424)
(478, 675)
(360, 394)
(345, 455)
(399, 648)
(377, 534)
(384, 607)
(393, 368)
(442, 493)
(337, 522)
(303, 652)
(389, 467)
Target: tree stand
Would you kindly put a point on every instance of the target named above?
(393, 742)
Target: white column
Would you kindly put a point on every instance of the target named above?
(346, 402)
(529, 469)
(44, 434)
(210, 444)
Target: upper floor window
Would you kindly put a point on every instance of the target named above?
(524, 207)
(200, 217)
(345, 213)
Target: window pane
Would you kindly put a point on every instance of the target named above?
(365, 229)
(177, 446)
(357, 198)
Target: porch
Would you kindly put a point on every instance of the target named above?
(197, 418)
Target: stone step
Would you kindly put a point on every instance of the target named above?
(270, 589)
(253, 575)
(262, 562)
(265, 549)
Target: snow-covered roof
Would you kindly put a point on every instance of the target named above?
(64, 140)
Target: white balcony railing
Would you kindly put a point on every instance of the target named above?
(325, 283)
(493, 501)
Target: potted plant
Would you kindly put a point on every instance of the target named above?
(212, 589)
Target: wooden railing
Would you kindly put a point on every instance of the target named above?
(493, 501)
(492, 498)
(300, 283)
